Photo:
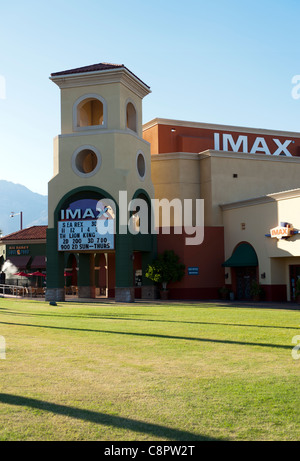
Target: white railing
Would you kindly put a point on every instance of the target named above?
(19, 291)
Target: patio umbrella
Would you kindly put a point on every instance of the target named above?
(22, 274)
(38, 274)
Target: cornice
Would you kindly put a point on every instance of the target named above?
(246, 156)
(174, 156)
(269, 198)
(217, 127)
(121, 75)
(22, 242)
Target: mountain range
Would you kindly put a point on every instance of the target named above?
(16, 198)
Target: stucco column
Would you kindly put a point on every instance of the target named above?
(124, 291)
(55, 269)
(86, 279)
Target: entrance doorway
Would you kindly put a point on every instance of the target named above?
(245, 276)
(294, 276)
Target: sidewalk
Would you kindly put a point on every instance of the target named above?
(218, 302)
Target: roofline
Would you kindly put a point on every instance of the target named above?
(23, 241)
(13, 234)
(218, 127)
(114, 75)
(268, 198)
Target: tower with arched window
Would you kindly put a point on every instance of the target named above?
(100, 158)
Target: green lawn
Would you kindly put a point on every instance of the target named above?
(148, 372)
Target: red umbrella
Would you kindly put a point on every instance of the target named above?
(38, 274)
(22, 274)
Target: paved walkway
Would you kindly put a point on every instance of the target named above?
(218, 302)
(239, 304)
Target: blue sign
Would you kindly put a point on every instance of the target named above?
(193, 270)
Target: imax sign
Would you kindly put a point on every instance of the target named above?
(259, 146)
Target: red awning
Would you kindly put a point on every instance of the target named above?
(19, 261)
(39, 262)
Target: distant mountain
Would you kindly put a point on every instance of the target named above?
(15, 197)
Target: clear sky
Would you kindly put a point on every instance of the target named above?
(228, 62)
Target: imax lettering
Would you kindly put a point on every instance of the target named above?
(260, 145)
(241, 141)
(242, 145)
(282, 148)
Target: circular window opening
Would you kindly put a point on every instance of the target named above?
(86, 162)
(141, 165)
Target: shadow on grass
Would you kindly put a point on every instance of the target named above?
(129, 318)
(153, 335)
(155, 430)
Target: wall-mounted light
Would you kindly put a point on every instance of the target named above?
(263, 275)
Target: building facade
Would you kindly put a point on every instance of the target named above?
(249, 181)
(100, 160)
(107, 165)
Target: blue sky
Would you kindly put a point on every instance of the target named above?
(216, 62)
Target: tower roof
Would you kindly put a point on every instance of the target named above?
(102, 66)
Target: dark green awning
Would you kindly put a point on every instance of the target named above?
(243, 256)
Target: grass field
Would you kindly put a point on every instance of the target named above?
(148, 372)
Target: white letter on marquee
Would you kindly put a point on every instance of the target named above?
(282, 147)
(256, 148)
(217, 141)
(242, 140)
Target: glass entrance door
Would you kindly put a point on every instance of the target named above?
(244, 278)
(294, 276)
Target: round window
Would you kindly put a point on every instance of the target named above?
(141, 165)
(86, 161)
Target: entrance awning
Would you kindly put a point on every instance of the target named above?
(243, 256)
(19, 261)
(39, 262)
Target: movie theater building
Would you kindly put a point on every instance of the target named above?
(249, 180)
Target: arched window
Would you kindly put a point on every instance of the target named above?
(131, 117)
(89, 111)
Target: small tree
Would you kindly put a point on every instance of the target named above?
(165, 268)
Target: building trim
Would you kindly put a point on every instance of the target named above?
(102, 131)
(22, 242)
(246, 156)
(121, 75)
(276, 197)
(212, 126)
(174, 156)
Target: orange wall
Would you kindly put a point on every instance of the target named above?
(208, 256)
(189, 139)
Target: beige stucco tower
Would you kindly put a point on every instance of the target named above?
(99, 153)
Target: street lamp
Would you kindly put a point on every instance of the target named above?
(13, 214)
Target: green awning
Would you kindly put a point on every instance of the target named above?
(243, 256)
